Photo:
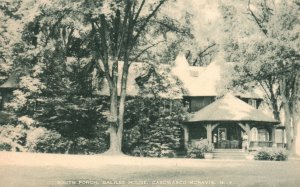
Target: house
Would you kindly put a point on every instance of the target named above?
(214, 114)
(221, 118)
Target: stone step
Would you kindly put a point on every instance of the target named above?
(234, 154)
(230, 158)
(228, 150)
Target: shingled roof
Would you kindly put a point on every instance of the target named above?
(205, 81)
(230, 108)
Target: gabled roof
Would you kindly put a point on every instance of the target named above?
(230, 108)
(138, 70)
(206, 81)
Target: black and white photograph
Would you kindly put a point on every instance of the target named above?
(150, 93)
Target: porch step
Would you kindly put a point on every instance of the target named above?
(234, 154)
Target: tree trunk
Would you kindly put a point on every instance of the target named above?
(115, 146)
(122, 101)
(287, 124)
(296, 116)
(287, 113)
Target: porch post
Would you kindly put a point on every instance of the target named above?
(186, 135)
(283, 142)
(273, 136)
(209, 133)
(248, 131)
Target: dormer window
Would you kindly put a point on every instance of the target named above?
(252, 102)
(194, 73)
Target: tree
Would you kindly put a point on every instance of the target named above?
(108, 35)
(153, 127)
(270, 57)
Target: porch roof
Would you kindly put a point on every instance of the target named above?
(230, 108)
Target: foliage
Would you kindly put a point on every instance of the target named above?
(275, 154)
(26, 135)
(98, 33)
(77, 119)
(152, 127)
(46, 141)
(265, 52)
(88, 146)
(198, 150)
(13, 137)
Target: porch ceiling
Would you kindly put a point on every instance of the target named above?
(230, 108)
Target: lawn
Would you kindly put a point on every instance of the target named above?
(26, 169)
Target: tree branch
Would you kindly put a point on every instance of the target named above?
(202, 52)
(139, 11)
(145, 23)
(146, 49)
(258, 22)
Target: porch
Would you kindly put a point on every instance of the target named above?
(225, 135)
(230, 123)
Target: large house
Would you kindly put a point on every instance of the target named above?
(224, 119)
(221, 118)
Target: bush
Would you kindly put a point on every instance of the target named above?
(198, 150)
(276, 154)
(88, 146)
(5, 146)
(153, 128)
(46, 141)
(195, 152)
(12, 138)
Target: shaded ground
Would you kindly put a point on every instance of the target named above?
(25, 169)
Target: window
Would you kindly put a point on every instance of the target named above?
(252, 102)
(254, 134)
(263, 135)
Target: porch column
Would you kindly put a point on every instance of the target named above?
(273, 136)
(209, 133)
(186, 135)
(283, 135)
(248, 131)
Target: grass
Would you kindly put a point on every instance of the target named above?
(63, 170)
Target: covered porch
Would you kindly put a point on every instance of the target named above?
(231, 135)
(230, 123)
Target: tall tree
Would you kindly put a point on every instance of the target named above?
(269, 56)
(108, 35)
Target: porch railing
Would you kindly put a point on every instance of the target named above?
(229, 144)
(281, 145)
(258, 144)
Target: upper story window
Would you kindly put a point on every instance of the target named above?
(252, 102)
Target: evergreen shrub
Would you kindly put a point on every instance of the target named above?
(275, 154)
(153, 128)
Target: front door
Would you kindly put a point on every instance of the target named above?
(227, 136)
(222, 134)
